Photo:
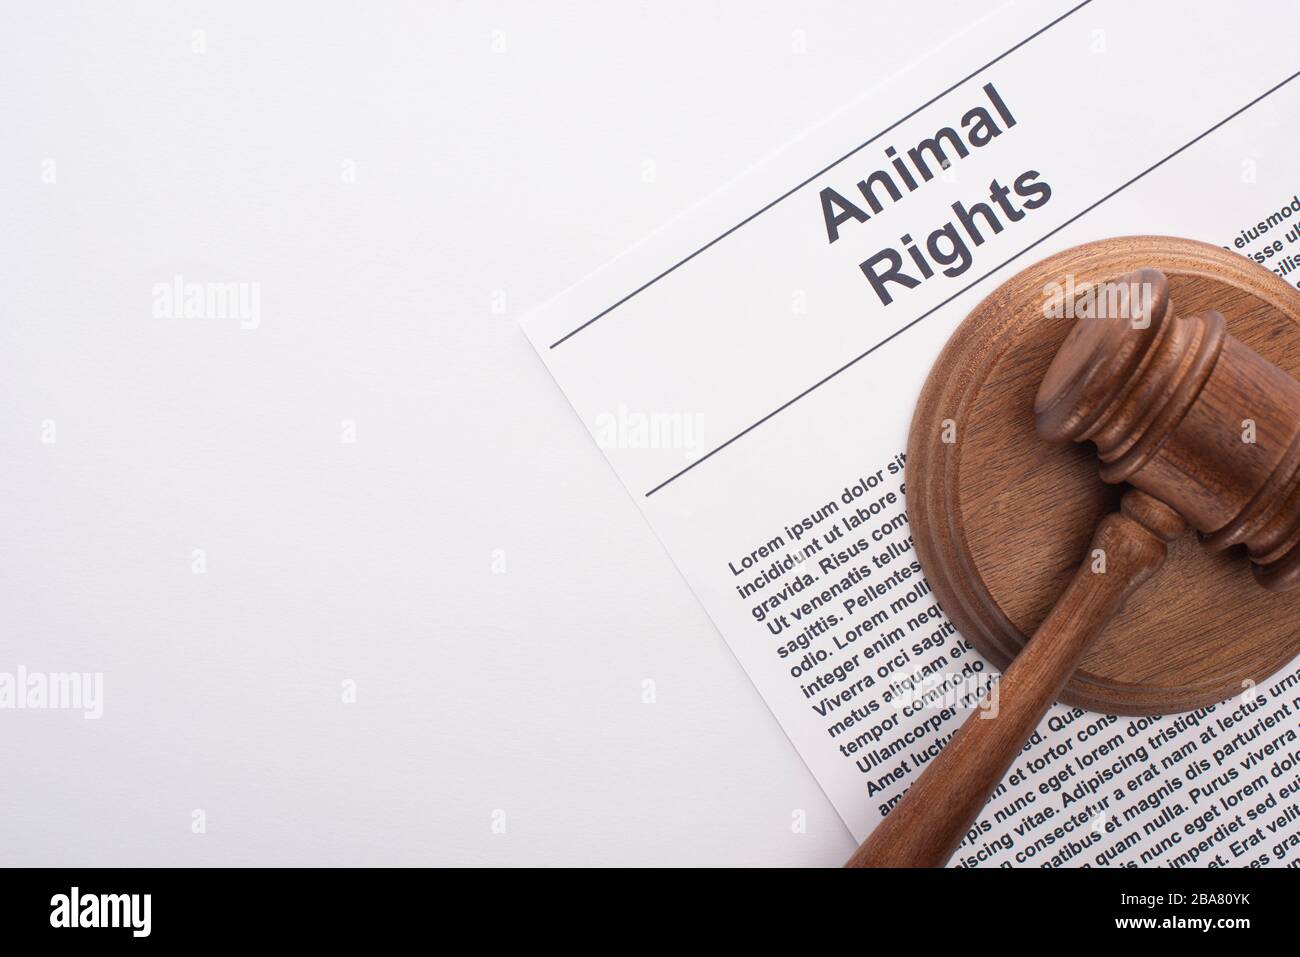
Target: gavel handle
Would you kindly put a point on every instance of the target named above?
(925, 827)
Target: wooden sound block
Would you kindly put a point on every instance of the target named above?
(1001, 519)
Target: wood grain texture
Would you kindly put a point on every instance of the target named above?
(1181, 409)
(924, 829)
(1001, 518)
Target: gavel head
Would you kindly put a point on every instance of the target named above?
(1183, 411)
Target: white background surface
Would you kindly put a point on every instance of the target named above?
(477, 171)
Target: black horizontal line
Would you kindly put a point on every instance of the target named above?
(968, 286)
(790, 192)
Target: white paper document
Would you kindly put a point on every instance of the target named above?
(751, 370)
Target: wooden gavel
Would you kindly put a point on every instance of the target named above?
(1207, 434)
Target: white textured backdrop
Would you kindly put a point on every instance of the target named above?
(397, 182)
